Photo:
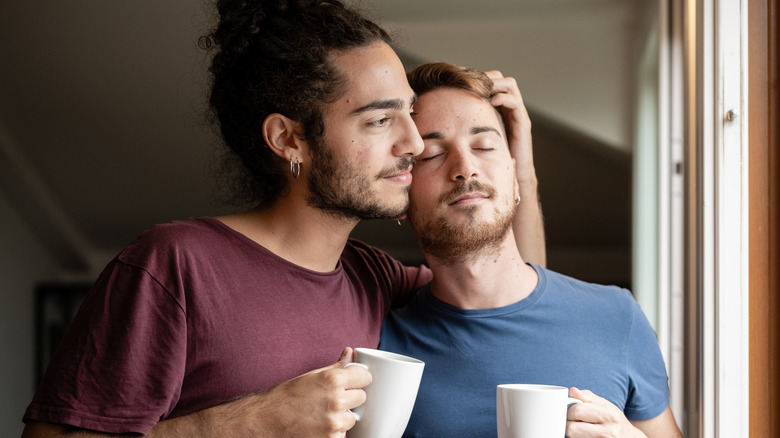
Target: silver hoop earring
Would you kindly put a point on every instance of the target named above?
(518, 200)
(295, 168)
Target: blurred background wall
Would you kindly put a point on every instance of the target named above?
(102, 134)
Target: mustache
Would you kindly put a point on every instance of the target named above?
(400, 166)
(465, 187)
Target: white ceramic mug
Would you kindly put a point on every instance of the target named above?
(390, 396)
(532, 411)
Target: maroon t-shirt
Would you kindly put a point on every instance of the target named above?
(193, 313)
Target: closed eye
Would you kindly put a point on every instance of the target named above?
(429, 158)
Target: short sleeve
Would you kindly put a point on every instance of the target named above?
(400, 282)
(120, 366)
(648, 382)
(414, 278)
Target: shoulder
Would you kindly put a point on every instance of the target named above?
(357, 254)
(360, 254)
(172, 239)
(371, 264)
(578, 289)
(359, 247)
(188, 229)
(609, 306)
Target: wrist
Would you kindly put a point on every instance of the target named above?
(635, 432)
(528, 187)
(526, 175)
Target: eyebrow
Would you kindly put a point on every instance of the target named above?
(436, 135)
(433, 135)
(396, 104)
(480, 129)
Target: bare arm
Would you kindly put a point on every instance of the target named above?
(528, 225)
(661, 426)
(315, 404)
(598, 417)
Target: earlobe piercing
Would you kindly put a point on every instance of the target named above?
(295, 168)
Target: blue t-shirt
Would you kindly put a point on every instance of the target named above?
(566, 332)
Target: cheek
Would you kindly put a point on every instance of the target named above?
(418, 189)
(360, 153)
(421, 177)
(356, 152)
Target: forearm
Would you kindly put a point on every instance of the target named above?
(314, 404)
(662, 426)
(230, 419)
(249, 416)
(204, 423)
(528, 224)
(50, 430)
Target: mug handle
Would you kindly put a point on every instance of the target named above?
(356, 414)
(569, 400)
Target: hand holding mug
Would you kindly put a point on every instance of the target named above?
(597, 416)
(390, 396)
(532, 411)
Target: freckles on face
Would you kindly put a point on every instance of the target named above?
(372, 117)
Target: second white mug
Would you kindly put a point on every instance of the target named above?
(532, 411)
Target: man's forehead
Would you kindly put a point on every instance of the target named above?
(374, 78)
(453, 108)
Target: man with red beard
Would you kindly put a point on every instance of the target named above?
(489, 318)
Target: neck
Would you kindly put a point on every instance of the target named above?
(483, 281)
(296, 232)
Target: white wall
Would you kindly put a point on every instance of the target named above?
(23, 263)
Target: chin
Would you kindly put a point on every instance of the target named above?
(382, 211)
(395, 211)
(400, 205)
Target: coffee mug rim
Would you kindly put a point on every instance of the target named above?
(387, 355)
(531, 387)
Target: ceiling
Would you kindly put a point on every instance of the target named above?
(102, 115)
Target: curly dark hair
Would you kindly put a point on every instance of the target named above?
(273, 56)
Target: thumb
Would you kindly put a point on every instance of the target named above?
(576, 393)
(585, 395)
(345, 358)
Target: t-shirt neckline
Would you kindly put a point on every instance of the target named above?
(446, 308)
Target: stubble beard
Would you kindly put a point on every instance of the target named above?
(341, 189)
(452, 242)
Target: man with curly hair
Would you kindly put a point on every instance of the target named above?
(212, 326)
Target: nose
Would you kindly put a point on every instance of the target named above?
(462, 167)
(409, 143)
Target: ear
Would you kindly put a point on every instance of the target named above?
(279, 133)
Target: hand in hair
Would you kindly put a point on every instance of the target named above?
(508, 99)
(528, 224)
